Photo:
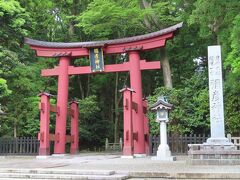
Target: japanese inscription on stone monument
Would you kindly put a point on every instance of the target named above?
(215, 91)
(215, 83)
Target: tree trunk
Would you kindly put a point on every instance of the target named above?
(88, 84)
(167, 77)
(80, 87)
(15, 129)
(164, 58)
(74, 12)
(145, 4)
(116, 135)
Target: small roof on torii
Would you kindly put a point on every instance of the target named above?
(142, 42)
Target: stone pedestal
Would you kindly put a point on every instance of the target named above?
(164, 152)
(213, 154)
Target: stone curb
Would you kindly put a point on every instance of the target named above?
(63, 176)
(185, 175)
(58, 171)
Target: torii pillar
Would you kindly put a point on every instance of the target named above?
(136, 84)
(146, 127)
(74, 127)
(128, 124)
(62, 106)
(43, 136)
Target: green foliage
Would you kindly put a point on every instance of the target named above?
(4, 91)
(92, 127)
(191, 110)
(9, 60)
(233, 59)
(166, 12)
(216, 19)
(14, 18)
(22, 105)
(232, 103)
(108, 18)
(88, 107)
(211, 15)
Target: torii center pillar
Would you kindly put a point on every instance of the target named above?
(62, 106)
(68, 51)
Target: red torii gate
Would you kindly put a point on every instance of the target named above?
(132, 45)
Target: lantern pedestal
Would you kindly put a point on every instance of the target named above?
(164, 153)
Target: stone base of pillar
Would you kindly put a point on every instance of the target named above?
(74, 151)
(127, 151)
(140, 155)
(218, 141)
(213, 154)
(44, 151)
(42, 157)
(127, 157)
(164, 154)
(59, 155)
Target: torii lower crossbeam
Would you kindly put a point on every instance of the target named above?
(124, 67)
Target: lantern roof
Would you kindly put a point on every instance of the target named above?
(161, 104)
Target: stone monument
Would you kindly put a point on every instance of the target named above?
(218, 149)
(162, 108)
(216, 96)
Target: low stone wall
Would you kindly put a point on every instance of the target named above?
(209, 154)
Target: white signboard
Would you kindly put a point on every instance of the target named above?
(216, 92)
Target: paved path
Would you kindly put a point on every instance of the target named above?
(114, 162)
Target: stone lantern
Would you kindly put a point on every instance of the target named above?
(162, 107)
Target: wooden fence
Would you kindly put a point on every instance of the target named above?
(19, 146)
(113, 146)
(235, 141)
(178, 144)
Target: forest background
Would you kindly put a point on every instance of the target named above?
(183, 77)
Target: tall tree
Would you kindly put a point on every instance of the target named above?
(160, 14)
(214, 18)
